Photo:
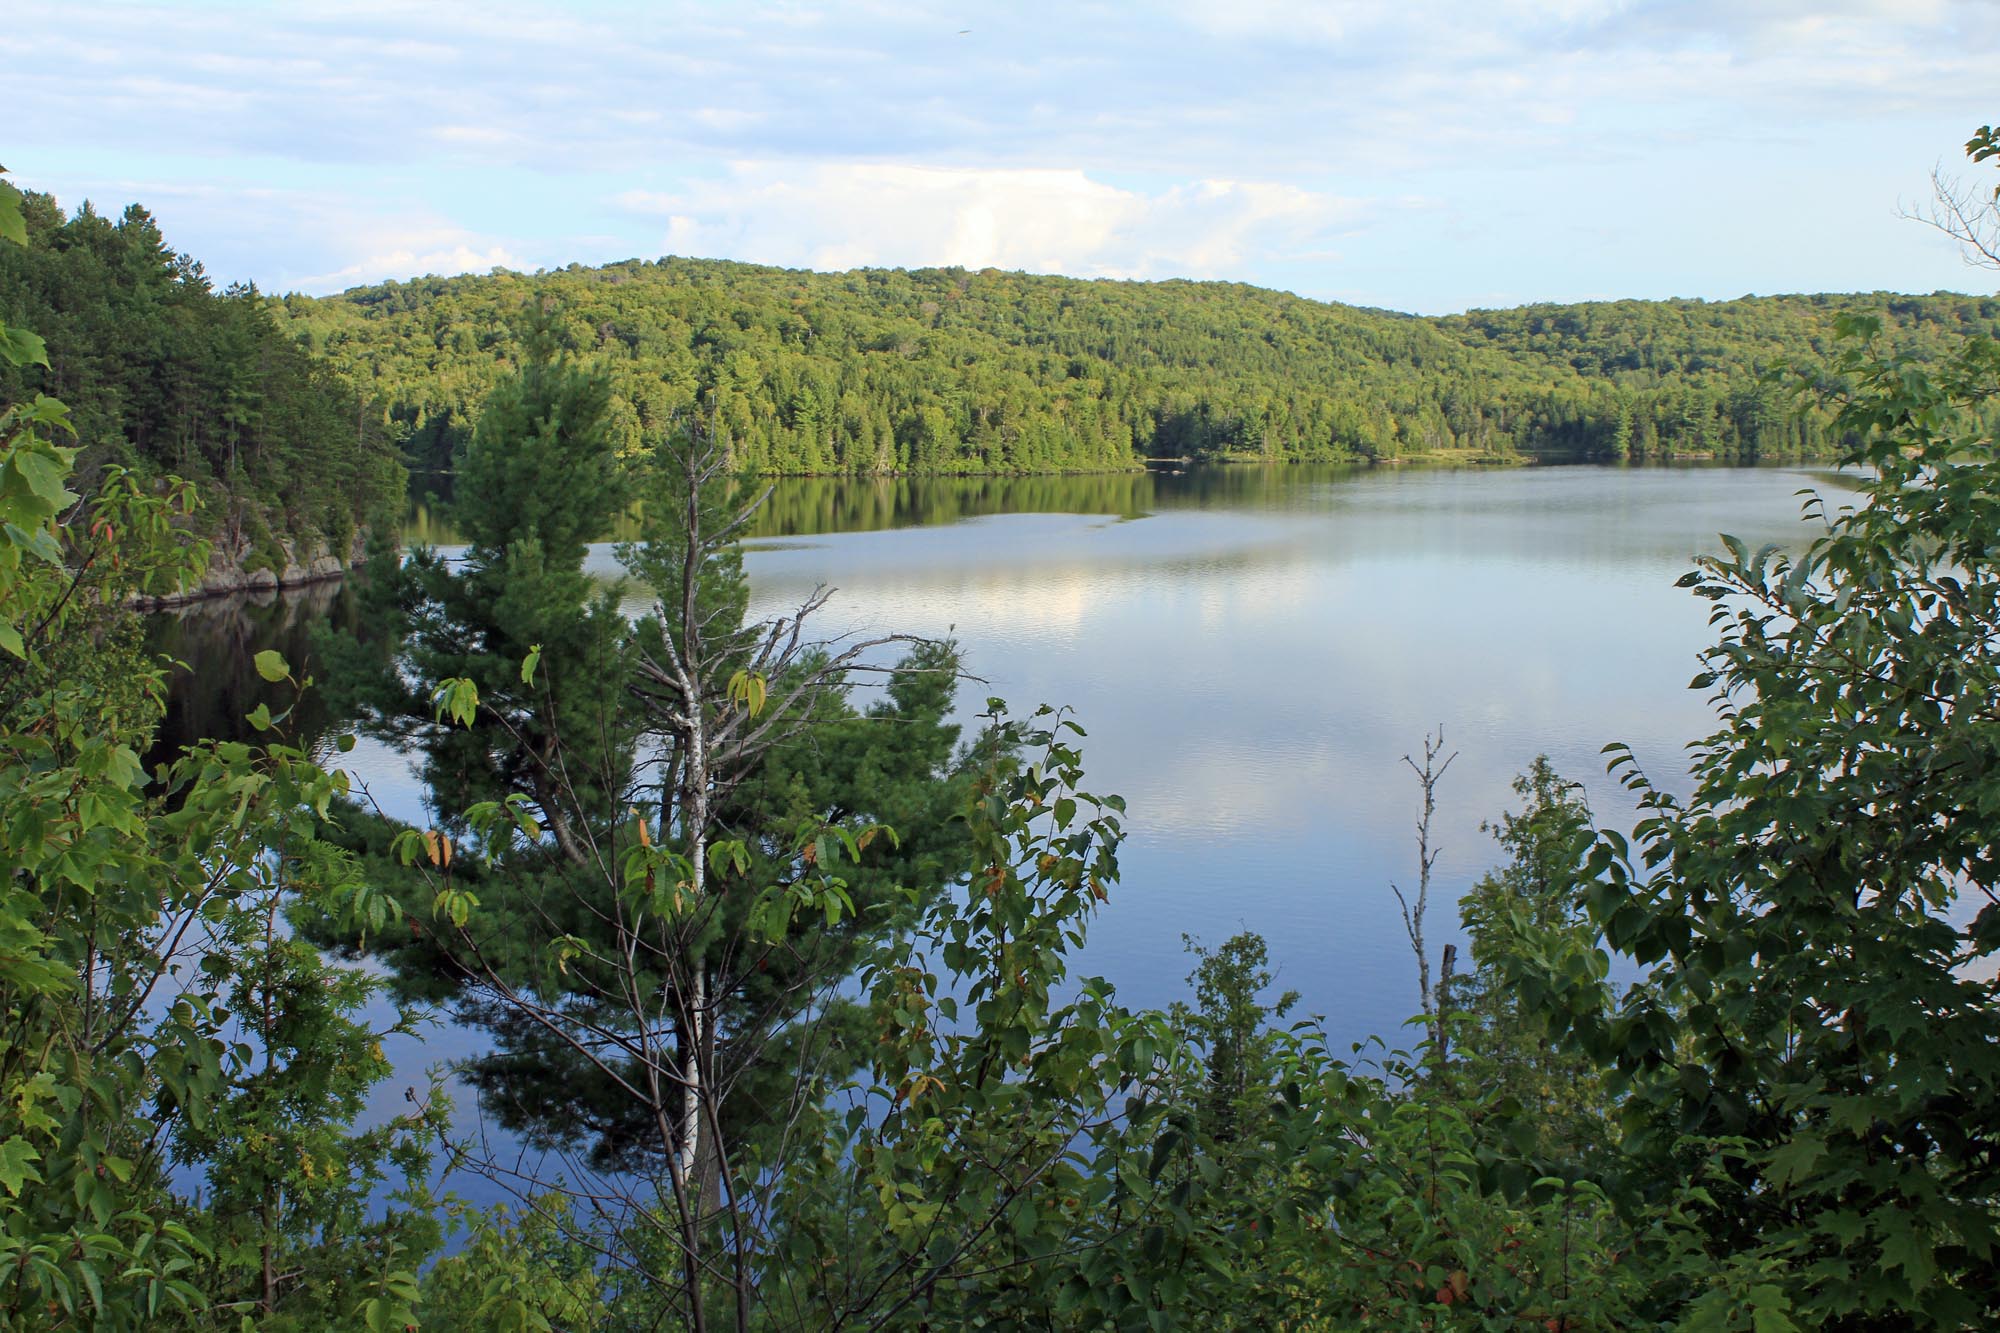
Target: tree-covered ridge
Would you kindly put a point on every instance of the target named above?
(164, 374)
(945, 370)
(879, 371)
(1650, 377)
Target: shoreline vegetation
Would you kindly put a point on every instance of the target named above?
(310, 422)
(424, 523)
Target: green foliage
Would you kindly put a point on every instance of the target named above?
(948, 371)
(1983, 146)
(984, 1144)
(129, 945)
(1667, 379)
(1534, 949)
(1031, 1154)
(1819, 1014)
(654, 934)
(1229, 1020)
(165, 375)
(515, 673)
(516, 634)
(516, 1272)
(294, 1193)
(124, 968)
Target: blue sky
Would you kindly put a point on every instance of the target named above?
(1421, 155)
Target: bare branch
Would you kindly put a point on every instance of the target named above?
(1429, 774)
(1967, 215)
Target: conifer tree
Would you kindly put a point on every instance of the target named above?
(537, 482)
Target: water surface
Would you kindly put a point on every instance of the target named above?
(1252, 652)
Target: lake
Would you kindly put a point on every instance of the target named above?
(1252, 652)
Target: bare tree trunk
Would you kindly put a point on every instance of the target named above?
(696, 783)
(556, 815)
(1429, 774)
(1447, 963)
(688, 1136)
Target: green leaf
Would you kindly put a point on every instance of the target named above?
(44, 477)
(271, 665)
(17, 1159)
(1793, 1160)
(1905, 1248)
(38, 542)
(18, 347)
(1768, 1306)
(13, 226)
(458, 699)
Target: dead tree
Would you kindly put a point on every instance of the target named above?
(1429, 774)
(1968, 215)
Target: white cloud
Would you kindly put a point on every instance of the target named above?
(851, 215)
(474, 136)
(1288, 19)
(1265, 88)
(363, 246)
(390, 252)
(879, 131)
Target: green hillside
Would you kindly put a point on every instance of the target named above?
(163, 373)
(292, 410)
(947, 370)
(1683, 376)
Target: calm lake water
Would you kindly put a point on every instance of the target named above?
(1252, 652)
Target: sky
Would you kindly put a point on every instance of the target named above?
(1420, 155)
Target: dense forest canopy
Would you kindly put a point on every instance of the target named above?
(296, 409)
(945, 370)
(165, 375)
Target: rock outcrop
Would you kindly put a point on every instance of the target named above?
(236, 567)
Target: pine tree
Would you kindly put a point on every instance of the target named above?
(537, 482)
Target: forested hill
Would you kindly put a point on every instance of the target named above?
(1603, 377)
(949, 370)
(163, 373)
(289, 411)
